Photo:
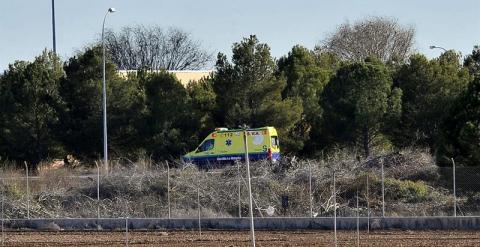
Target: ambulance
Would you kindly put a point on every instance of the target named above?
(226, 146)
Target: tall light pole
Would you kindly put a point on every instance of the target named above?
(53, 27)
(250, 204)
(438, 47)
(105, 145)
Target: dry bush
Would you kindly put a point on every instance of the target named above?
(407, 164)
(139, 189)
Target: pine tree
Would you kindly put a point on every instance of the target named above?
(460, 136)
(249, 92)
(357, 103)
(429, 89)
(306, 73)
(29, 98)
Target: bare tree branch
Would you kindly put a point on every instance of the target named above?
(142, 47)
(378, 37)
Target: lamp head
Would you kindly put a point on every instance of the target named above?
(111, 10)
(432, 47)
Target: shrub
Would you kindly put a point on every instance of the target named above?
(407, 190)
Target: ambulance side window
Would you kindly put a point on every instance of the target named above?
(275, 141)
(206, 145)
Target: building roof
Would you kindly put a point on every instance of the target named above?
(184, 76)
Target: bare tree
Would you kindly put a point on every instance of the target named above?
(380, 37)
(151, 47)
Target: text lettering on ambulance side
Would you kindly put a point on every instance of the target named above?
(254, 133)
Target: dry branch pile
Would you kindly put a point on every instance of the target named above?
(139, 189)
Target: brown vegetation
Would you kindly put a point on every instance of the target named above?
(414, 186)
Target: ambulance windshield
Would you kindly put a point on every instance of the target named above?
(206, 145)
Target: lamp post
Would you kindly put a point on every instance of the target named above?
(250, 204)
(438, 47)
(105, 145)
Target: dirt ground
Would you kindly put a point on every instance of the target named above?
(231, 238)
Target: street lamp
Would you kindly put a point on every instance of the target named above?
(438, 47)
(105, 146)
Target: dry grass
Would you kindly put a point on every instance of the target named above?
(139, 189)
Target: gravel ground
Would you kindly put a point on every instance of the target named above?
(231, 238)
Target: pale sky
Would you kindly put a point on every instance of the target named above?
(26, 28)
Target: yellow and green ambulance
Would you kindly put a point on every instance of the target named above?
(226, 146)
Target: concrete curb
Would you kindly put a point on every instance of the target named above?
(321, 223)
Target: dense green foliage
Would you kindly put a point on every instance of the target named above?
(168, 129)
(203, 105)
(250, 92)
(472, 61)
(81, 112)
(317, 101)
(306, 72)
(357, 103)
(429, 90)
(29, 98)
(461, 130)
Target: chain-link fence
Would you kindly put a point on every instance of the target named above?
(386, 186)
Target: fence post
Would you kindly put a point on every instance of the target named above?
(126, 231)
(168, 189)
(28, 194)
(199, 212)
(454, 191)
(239, 191)
(310, 187)
(334, 211)
(3, 215)
(98, 190)
(368, 205)
(358, 223)
(126, 223)
(383, 191)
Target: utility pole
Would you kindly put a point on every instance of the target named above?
(53, 27)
